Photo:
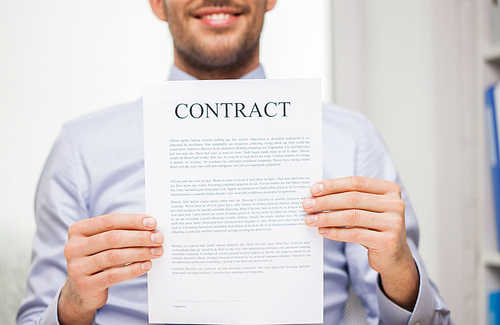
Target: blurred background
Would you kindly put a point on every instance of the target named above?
(414, 67)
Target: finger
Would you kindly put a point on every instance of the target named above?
(112, 276)
(366, 237)
(104, 223)
(354, 200)
(119, 257)
(116, 239)
(353, 218)
(355, 183)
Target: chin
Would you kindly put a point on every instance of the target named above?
(219, 57)
(215, 62)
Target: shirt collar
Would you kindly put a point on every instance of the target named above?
(177, 74)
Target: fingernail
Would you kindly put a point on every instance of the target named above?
(146, 266)
(311, 218)
(323, 230)
(149, 222)
(309, 203)
(157, 251)
(317, 188)
(157, 237)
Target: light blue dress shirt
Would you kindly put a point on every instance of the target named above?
(97, 167)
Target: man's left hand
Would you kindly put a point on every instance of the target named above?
(370, 212)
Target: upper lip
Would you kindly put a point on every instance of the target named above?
(215, 10)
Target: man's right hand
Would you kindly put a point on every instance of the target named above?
(101, 252)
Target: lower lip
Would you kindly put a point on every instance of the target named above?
(219, 22)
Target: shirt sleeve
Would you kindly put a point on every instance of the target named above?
(58, 204)
(374, 160)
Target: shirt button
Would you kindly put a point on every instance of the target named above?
(417, 323)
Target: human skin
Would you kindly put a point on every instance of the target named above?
(101, 252)
(214, 39)
(369, 212)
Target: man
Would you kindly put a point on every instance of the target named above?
(92, 269)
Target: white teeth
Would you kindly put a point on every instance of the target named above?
(220, 16)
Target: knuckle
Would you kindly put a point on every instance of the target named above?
(353, 198)
(399, 205)
(95, 241)
(329, 185)
(334, 232)
(357, 181)
(72, 249)
(354, 216)
(112, 257)
(112, 277)
(72, 270)
(396, 188)
(108, 221)
(136, 222)
(68, 251)
(73, 229)
(112, 238)
(136, 269)
(324, 218)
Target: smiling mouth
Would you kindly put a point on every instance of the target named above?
(218, 17)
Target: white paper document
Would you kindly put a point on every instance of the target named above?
(227, 166)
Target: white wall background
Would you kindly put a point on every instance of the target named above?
(62, 59)
(411, 66)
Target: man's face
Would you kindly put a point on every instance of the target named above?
(216, 33)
